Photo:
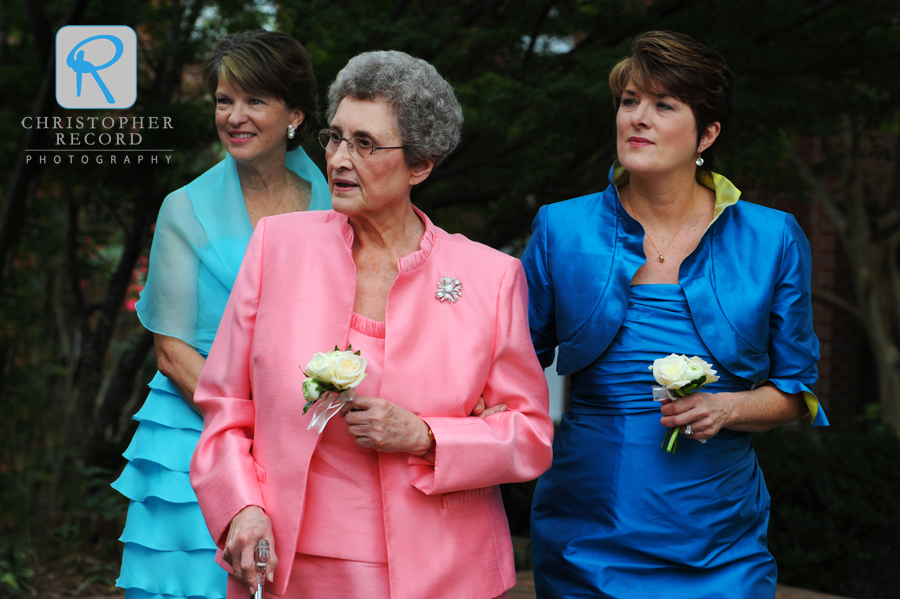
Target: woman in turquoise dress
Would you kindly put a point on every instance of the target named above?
(666, 260)
(265, 95)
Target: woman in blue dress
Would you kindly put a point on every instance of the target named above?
(666, 260)
(265, 95)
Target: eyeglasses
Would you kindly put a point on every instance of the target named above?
(358, 146)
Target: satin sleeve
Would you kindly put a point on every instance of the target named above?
(223, 472)
(169, 303)
(510, 446)
(793, 346)
(541, 302)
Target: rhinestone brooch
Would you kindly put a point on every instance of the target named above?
(449, 288)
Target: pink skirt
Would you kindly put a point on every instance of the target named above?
(315, 577)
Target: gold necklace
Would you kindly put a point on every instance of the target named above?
(280, 202)
(662, 258)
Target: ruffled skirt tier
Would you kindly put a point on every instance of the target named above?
(169, 552)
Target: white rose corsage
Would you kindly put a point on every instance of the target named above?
(331, 382)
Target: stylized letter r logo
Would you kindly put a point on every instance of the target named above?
(86, 50)
(77, 63)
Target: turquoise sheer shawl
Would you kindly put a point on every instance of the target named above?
(199, 243)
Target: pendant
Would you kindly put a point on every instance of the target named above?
(661, 259)
(449, 288)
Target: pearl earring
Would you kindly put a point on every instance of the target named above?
(291, 132)
(700, 161)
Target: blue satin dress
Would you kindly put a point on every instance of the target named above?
(618, 517)
(198, 246)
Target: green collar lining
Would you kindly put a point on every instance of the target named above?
(726, 193)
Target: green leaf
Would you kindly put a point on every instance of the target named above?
(673, 441)
(691, 387)
(10, 579)
(81, 587)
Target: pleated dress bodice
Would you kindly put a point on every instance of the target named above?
(344, 478)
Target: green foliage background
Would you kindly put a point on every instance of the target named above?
(531, 76)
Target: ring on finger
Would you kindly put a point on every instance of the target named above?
(688, 431)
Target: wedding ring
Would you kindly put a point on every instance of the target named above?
(688, 431)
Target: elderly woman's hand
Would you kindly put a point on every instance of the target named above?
(481, 411)
(379, 424)
(249, 526)
(707, 413)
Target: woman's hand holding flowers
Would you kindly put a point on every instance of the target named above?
(753, 411)
(707, 413)
(679, 377)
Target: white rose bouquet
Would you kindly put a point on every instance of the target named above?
(679, 376)
(331, 382)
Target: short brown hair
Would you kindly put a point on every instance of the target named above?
(267, 62)
(674, 64)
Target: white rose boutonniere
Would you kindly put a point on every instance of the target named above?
(348, 371)
(318, 366)
(679, 376)
(330, 383)
(312, 391)
(670, 371)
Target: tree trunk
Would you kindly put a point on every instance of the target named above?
(24, 173)
(95, 411)
(117, 389)
(864, 218)
(89, 377)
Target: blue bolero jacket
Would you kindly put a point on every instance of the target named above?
(747, 285)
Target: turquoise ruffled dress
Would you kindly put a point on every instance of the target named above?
(199, 243)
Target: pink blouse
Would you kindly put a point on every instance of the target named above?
(343, 491)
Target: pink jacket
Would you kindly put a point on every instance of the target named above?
(447, 533)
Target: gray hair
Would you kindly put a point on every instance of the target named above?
(429, 117)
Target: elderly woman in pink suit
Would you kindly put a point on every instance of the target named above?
(399, 499)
